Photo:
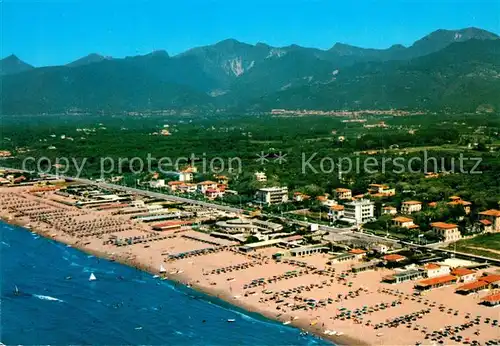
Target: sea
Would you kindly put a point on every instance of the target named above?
(58, 305)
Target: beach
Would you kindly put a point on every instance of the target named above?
(305, 292)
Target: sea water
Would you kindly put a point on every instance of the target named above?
(58, 305)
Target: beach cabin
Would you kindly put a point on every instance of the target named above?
(492, 300)
(308, 250)
(436, 282)
(403, 276)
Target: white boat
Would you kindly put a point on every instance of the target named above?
(287, 323)
(231, 320)
(155, 276)
(162, 269)
(92, 277)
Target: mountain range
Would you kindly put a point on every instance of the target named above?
(447, 69)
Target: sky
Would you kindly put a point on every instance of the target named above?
(55, 32)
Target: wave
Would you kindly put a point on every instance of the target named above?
(49, 298)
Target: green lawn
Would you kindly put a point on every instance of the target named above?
(483, 245)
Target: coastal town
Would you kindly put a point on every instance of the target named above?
(347, 284)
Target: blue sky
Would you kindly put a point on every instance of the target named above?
(54, 32)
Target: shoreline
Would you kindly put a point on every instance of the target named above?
(186, 281)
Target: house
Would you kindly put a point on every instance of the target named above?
(174, 185)
(157, 183)
(271, 195)
(213, 193)
(388, 210)
(380, 248)
(381, 190)
(430, 175)
(404, 222)
(472, 287)
(485, 226)
(493, 216)
(222, 179)
(260, 176)
(186, 188)
(433, 270)
(336, 211)
(358, 253)
(359, 211)
(342, 193)
(206, 185)
(409, 207)
(186, 175)
(456, 201)
(299, 196)
(394, 258)
(464, 274)
(447, 231)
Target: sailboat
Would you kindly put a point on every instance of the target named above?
(162, 269)
(92, 277)
(16, 291)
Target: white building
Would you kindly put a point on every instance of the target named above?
(260, 176)
(186, 175)
(410, 207)
(157, 183)
(434, 270)
(359, 211)
(271, 195)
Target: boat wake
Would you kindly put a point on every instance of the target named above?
(49, 298)
(6, 244)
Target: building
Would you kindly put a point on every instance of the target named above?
(436, 282)
(271, 195)
(358, 253)
(336, 212)
(260, 245)
(380, 248)
(433, 270)
(212, 194)
(308, 250)
(299, 197)
(342, 193)
(174, 185)
(464, 274)
(359, 211)
(394, 258)
(472, 287)
(409, 207)
(447, 231)
(186, 175)
(403, 276)
(381, 190)
(361, 267)
(404, 222)
(260, 176)
(206, 185)
(248, 226)
(389, 210)
(222, 179)
(457, 201)
(493, 216)
(156, 184)
(492, 299)
(173, 225)
(344, 257)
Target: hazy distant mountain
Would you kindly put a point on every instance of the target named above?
(462, 76)
(235, 74)
(12, 64)
(89, 59)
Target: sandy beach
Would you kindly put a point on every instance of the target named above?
(305, 292)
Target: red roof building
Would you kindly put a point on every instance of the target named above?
(436, 282)
(394, 258)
